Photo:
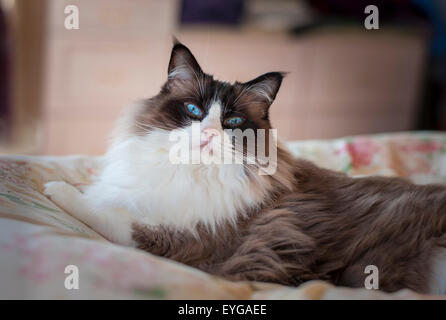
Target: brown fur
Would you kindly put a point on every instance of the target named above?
(330, 227)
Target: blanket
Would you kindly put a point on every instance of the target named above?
(42, 248)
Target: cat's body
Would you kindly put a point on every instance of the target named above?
(299, 223)
(330, 227)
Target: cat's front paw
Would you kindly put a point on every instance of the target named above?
(54, 187)
(60, 192)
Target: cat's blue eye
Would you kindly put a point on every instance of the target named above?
(194, 109)
(234, 121)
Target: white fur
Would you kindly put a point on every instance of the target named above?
(140, 184)
(114, 224)
(213, 117)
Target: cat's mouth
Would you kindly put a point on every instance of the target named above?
(206, 147)
(204, 143)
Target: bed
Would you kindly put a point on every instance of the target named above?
(39, 241)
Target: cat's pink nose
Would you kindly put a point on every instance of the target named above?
(210, 132)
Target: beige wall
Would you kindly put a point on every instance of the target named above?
(341, 81)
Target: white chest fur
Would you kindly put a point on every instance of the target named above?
(139, 177)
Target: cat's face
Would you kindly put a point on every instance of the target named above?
(191, 96)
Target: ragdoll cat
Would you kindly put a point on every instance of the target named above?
(300, 222)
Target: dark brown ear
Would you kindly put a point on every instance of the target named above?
(182, 64)
(265, 87)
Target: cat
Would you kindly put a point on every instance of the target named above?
(300, 223)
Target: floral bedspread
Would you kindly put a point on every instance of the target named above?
(38, 240)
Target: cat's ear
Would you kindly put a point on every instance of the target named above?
(182, 64)
(265, 87)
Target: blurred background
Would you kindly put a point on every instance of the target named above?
(61, 90)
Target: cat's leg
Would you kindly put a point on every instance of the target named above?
(114, 224)
(273, 250)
